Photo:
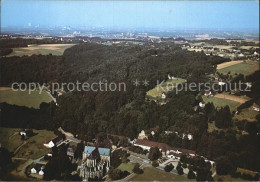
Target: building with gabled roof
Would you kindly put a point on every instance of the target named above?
(95, 162)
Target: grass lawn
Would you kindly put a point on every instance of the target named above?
(219, 102)
(44, 49)
(23, 98)
(126, 167)
(245, 68)
(33, 149)
(248, 114)
(9, 138)
(227, 178)
(154, 174)
(167, 86)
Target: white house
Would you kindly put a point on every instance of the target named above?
(256, 107)
(33, 171)
(152, 133)
(41, 172)
(202, 104)
(208, 93)
(23, 133)
(56, 141)
(255, 53)
(163, 96)
(221, 83)
(241, 55)
(142, 135)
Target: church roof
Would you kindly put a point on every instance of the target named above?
(102, 151)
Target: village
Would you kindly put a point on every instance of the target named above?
(96, 157)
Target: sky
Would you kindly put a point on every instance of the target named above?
(131, 14)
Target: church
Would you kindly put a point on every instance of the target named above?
(95, 162)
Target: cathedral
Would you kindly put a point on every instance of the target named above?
(95, 162)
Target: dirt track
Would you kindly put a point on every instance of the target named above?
(227, 64)
(231, 97)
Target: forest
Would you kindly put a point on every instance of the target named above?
(91, 114)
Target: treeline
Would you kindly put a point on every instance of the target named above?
(91, 114)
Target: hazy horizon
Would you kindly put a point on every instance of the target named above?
(163, 15)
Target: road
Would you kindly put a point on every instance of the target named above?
(137, 158)
(69, 136)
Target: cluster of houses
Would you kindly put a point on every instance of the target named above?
(38, 169)
(233, 53)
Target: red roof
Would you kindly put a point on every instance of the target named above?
(149, 143)
(163, 146)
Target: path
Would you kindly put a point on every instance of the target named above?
(18, 148)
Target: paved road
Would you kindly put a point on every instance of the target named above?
(137, 158)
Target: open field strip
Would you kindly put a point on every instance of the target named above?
(227, 64)
(231, 97)
(221, 102)
(167, 86)
(44, 49)
(245, 68)
(23, 98)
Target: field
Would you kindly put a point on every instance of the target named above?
(167, 86)
(44, 49)
(23, 98)
(245, 68)
(221, 102)
(154, 174)
(126, 167)
(248, 114)
(32, 148)
(227, 64)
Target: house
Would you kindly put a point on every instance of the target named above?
(202, 104)
(208, 94)
(23, 133)
(256, 107)
(55, 142)
(241, 55)
(176, 153)
(221, 83)
(95, 162)
(142, 135)
(26, 132)
(38, 167)
(147, 144)
(189, 136)
(255, 53)
(41, 172)
(33, 171)
(163, 96)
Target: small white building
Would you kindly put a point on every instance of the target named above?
(221, 83)
(163, 96)
(23, 133)
(208, 93)
(33, 171)
(56, 141)
(256, 107)
(241, 55)
(41, 172)
(142, 135)
(202, 104)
